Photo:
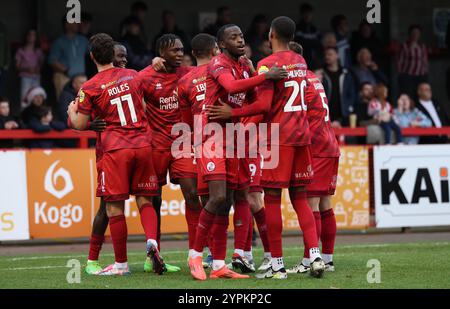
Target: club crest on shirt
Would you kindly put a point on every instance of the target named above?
(246, 76)
(211, 167)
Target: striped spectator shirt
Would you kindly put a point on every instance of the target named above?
(413, 59)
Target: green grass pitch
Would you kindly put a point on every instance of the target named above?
(405, 266)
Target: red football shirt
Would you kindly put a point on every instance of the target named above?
(324, 142)
(115, 96)
(288, 108)
(161, 96)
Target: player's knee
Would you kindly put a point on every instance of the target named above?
(218, 201)
(191, 198)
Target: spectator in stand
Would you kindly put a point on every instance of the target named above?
(139, 56)
(35, 98)
(365, 37)
(67, 56)
(43, 122)
(29, 61)
(223, 18)
(258, 31)
(366, 70)
(408, 116)
(339, 24)
(69, 94)
(187, 61)
(433, 110)
(412, 62)
(7, 122)
(138, 13)
(264, 50)
(375, 134)
(85, 30)
(4, 57)
(381, 111)
(169, 25)
(340, 89)
(309, 37)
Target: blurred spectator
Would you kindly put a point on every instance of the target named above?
(169, 25)
(138, 13)
(43, 122)
(139, 56)
(366, 70)
(187, 61)
(4, 57)
(365, 97)
(67, 56)
(223, 18)
(381, 111)
(339, 24)
(309, 37)
(433, 110)
(339, 87)
(248, 51)
(375, 135)
(412, 62)
(86, 30)
(408, 116)
(35, 99)
(258, 31)
(365, 37)
(264, 50)
(7, 122)
(29, 60)
(329, 40)
(69, 94)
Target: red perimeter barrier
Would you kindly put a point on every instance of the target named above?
(83, 137)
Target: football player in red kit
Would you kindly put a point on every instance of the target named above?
(101, 221)
(285, 109)
(325, 151)
(126, 167)
(161, 97)
(191, 96)
(228, 79)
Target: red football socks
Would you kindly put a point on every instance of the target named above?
(241, 221)
(119, 235)
(328, 235)
(249, 241)
(192, 217)
(205, 223)
(149, 221)
(274, 223)
(318, 220)
(306, 219)
(260, 218)
(220, 235)
(95, 245)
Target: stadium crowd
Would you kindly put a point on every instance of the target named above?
(352, 66)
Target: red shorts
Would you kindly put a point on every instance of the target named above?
(178, 168)
(202, 186)
(325, 177)
(294, 168)
(255, 166)
(216, 167)
(126, 172)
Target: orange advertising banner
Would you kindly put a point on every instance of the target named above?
(62, 202)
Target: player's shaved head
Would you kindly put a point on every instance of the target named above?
(296, 48)
(222, 30)
(165, 42)
(284, 28)
(203, 45)
(101, 46)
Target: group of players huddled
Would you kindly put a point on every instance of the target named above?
(137, 116)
